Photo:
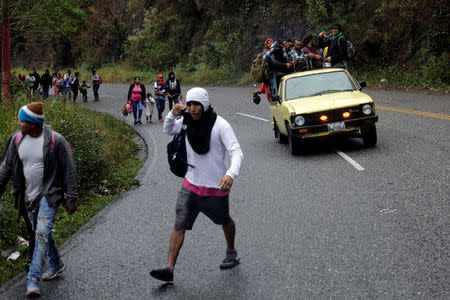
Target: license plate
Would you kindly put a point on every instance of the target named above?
(334, 127)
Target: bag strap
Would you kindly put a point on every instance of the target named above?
(53, 140)
(52, 144)
(182, 134)
(18, 138)
(339, 44)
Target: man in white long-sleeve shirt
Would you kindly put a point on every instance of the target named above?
(208, 181)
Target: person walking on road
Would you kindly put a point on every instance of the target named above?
(160, 96)
(75, 85)
(149, 107)
(46, 82)
(96, 81)
(136, 94)
(40, 163)
(57, 84)
(173, 89)
(37, 78)
(31, 81)
(208, 181)
(66, 83)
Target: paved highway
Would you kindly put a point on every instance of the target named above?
(337, 221)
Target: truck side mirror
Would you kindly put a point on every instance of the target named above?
(275, 98)
(362, 84)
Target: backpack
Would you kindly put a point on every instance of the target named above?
(176, 154)
(258, 69)
(20, 136)
(350, 49)
(100, 80)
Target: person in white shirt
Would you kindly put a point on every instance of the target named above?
(208, 180)
(31, 82)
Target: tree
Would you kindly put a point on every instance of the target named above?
(6, 56)
(43, 19)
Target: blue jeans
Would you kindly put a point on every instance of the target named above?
(95, 88)
(42, 223)
(137, 105)
(160, 105)
(273, 85)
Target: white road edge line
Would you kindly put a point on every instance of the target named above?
(250, 116)
(350, 160)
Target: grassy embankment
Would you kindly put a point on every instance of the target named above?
(106, 158)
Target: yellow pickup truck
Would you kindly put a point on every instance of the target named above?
(320, 103)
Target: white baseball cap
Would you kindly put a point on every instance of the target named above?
(199, 95)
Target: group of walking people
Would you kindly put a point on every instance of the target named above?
(141, 101)
(39, 161)
(68, 84)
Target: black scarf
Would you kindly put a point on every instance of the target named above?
(199, 132)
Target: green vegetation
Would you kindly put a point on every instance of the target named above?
(405, 42)
(106, 158)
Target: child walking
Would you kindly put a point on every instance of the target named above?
(149, 105)
(83, 90)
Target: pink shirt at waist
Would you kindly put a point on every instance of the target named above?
(136, 94)
(204, 191)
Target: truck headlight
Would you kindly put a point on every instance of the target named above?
(367, 109)
(299, 120)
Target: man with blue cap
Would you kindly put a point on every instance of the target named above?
(209, 178)
(39, 160)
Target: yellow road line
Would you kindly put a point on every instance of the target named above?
(415, 112)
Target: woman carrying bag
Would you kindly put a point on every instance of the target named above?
(136, 94)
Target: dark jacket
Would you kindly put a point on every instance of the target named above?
(60, 177)
(75, 84)
(177, 90)
(46, 80)
(275, 60)
(19, 203)
(38, 79)
(143, 93)
(160, 90)
(337, 48)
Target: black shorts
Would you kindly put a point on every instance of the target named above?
(189, 204)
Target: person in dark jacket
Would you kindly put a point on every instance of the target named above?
(40, 163)
(136, 94)
(46, 82)
(19, 204)
(277, 65)
(95, 84)
(173, 89)
(75, 85)
(37, 77)
(337, 46)
(160, 95)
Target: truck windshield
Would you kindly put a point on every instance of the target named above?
(318, 84)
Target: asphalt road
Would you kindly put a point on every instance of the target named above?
(308, 226)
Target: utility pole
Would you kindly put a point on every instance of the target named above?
(6, 55)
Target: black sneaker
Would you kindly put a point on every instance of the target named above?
(139, 122)
(230, 261)
(135, 122)
(163, 274)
